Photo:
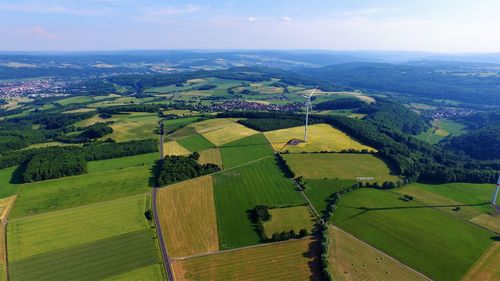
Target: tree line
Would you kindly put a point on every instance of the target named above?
(173, 169)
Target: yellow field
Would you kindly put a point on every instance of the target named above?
(210, 156)
(228, 133)
(212, 124)
(91, 121)
(3, 256)
(351, 259)
(5, 206)
(187, 217)
(173, 148)
(488, 221)
(322, 137)
(181, 112)
(488, 266)
(291, 260)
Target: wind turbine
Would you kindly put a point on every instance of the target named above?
(308, 107)
(495, 194)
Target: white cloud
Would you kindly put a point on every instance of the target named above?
(40, 31)
(45, 8)
(286, 19)
(170, 11)
(252, 19)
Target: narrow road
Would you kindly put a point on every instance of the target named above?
(166, 259)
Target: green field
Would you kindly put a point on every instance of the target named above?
(38, 234)
(241, 189)
(318, 191)
(122, 162)
(339, 166)
(6, 188)
(68, 192)
(441, 129)
(245, 150)
(196, 143)
(81, 99)
(89, 261)
(413, 233)
(286, 219)
(148, 273)
(175, 124)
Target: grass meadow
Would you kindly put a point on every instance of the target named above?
(291, 260)
(122, 162)
(245, 150)
(412, 233)
(318, 191)
(51, 195)
(286, 219)
(38, 234)
(322, 137)
(196, 143)
(6, 187)
(149, 273)
(351, 259)
(187, 217)
(339, 166)
(211, 156)
(241, 189)
(90, 261)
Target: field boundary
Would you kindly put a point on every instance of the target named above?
(163, 247)
(238, 249)
(395, 260)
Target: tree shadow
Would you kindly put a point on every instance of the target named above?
(495, 238)
(17, 175)
(313, 253)
(155, 174)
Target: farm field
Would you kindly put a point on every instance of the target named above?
(210, 156)
(174, 148)
(318, 191)
(149, 273)
(181, 133)
(6, 187)
(122, 162)
(245, 150)
(82, 99)
(339, 166)
(486, 268)
(196, 143)
(228, 133)
(291, 260)
(79, 110)
(103, 258)
(286, 219)
(351, 259)
(322, 137)
(68, 192)
(6, 205)
(212, 124)
(134, 127)
(175, 124)
(187, 217)
(180, 112)
(441, 129)
(411, 241)
(3, 254)
(38, 234)
(241, 189)
(471, 199)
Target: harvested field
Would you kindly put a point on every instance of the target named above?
(351, 259)
(210, 156)
(212, 124)
(487, 267)
(292, 218)
(187, 217)
(173, 148)
(228, 133)
(291, 260)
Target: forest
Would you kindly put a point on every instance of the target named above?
(173, 169)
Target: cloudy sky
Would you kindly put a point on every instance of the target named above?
(423, 25)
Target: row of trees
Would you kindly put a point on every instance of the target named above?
(173, 169)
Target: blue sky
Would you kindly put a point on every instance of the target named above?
(423, 25)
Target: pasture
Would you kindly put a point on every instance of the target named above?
(339, 166)
(438, 245)
(174, 148)
(486, 268)
(51, 195)
(187, 217)
(228, 133)
(441, 129)
(176, 124)
(241, 189)
(245, 150)
(134, 126)
(89, 261)
(291, 218)
(322, 137)
(291, 260)
(148, 273)
(351, 259)
(210, 156)
(196, 143)
(122, 162)
(38, 234)
(318, 191)
(7, 188)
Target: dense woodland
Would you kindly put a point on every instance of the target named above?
(51, 164)
(337, 104)
(173, 169)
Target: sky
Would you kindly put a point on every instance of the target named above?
(444, 26)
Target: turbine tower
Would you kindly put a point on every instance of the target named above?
(495, 194)
(308, 107)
